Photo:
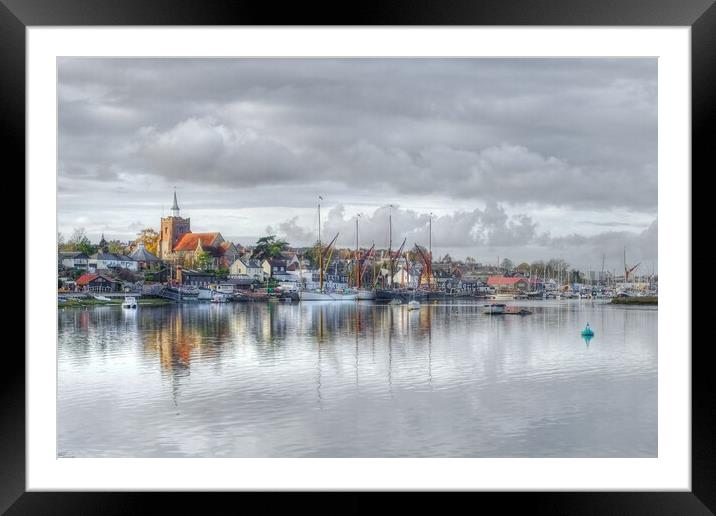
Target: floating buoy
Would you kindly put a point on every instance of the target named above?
(587, 331)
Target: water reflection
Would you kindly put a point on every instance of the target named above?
(356, 379)
(587, 339)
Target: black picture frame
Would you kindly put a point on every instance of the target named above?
(16, 15)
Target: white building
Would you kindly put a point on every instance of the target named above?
(74, 260)
(100, 261)
(245, 267)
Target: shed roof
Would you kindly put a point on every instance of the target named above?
(494, 281)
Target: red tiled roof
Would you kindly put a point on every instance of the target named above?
(494, 281)
(188, 241)
(86, 278)
(89, 277)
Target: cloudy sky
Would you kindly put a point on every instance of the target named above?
(520, 158)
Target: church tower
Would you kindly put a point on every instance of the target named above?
(172, 229)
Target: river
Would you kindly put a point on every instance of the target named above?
(357, 380)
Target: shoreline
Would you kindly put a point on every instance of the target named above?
(646, 300)
(85, 302)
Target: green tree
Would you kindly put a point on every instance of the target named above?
(507, 264)
(203, 261)
(79, 242)
(115, 247)
(268, 247)
(87, 248)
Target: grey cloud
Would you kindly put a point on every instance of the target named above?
(489, 227)
(292, 230)
(562, 131)
(479, 233)
(641, 247)
(511, 136)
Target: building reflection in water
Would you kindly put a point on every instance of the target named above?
(254, 379)
(340, 336)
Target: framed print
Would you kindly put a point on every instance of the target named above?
(419, 253)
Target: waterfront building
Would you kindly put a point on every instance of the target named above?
(97, 282)
(195, 278)
(247, 267)
(74, 260)
(177, 243)
(403, 278)
(504, 284)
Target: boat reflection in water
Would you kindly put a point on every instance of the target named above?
(356, 380)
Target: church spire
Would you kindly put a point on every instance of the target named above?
(102, 247)
(175, 206)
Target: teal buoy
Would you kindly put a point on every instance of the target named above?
(587, 331)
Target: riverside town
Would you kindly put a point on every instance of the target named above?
(176, 265)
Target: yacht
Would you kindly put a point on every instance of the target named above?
(129, 302)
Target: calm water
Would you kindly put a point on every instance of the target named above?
(357, 380)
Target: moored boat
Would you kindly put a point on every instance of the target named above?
(413, 305)
(315, 295)
(494, 309)
(129, 302)
(218, 297)
(502, 297)
(364, 294)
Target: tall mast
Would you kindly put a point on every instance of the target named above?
(390, 242)
(430, 253)
(320, 248)
(430, 237)
(372, 285)
(601, 276)
(357, 261)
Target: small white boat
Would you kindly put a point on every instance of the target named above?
(314, 295)
(102, 298)
(219, 298)
(494, 309)
(395, 301)
(413, 305)
(129, 302)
